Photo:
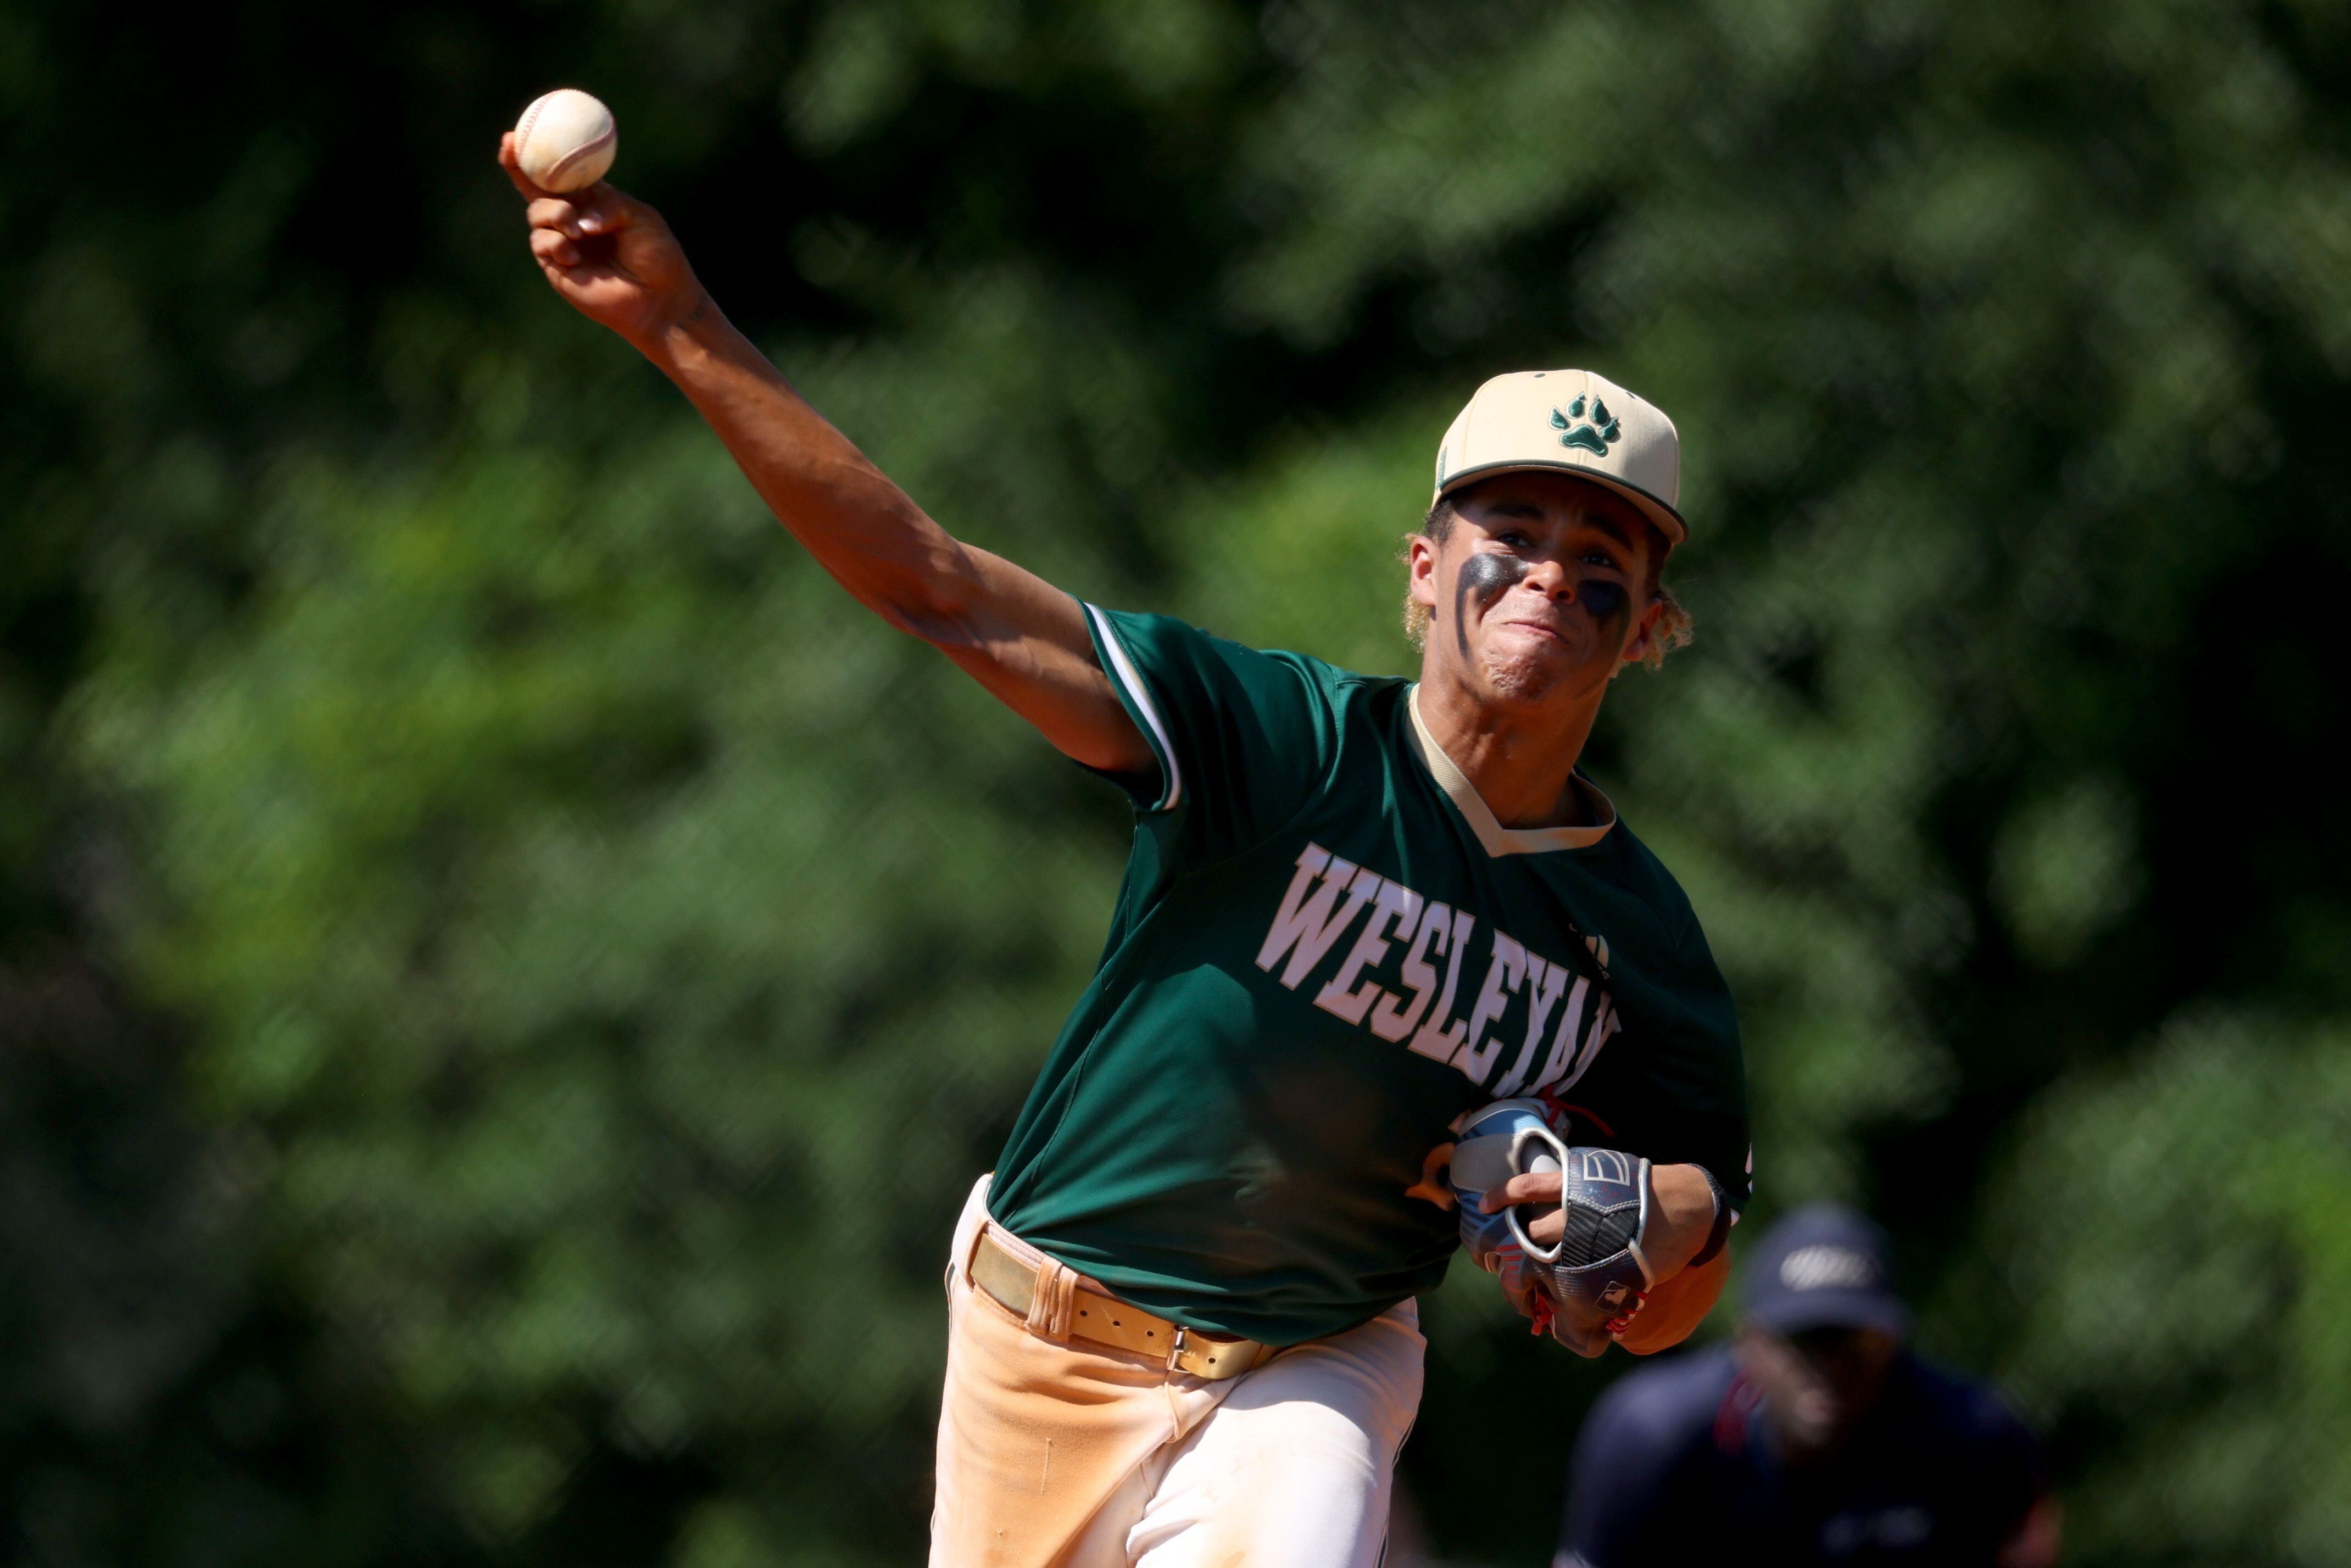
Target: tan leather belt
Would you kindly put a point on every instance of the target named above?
(1012, 1285)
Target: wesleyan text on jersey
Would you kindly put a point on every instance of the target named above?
(1522, 994)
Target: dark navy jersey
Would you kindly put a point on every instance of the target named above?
(1677, 1465)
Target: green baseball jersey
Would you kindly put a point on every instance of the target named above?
(1325, 951)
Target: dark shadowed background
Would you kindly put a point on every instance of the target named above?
(506, 974)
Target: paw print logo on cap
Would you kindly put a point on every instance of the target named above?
(1596, 435)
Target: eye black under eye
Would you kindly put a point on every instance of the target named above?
(1600, 596)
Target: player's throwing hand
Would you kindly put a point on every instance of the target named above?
(610, 255)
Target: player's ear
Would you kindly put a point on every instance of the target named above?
(1420, 563)
(1644, 636)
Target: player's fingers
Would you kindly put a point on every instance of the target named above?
(606, 209)
(557, 213)
(598, 209)
(511, 162)
(553, 248)
(1547, 1228)
(1531, 1187)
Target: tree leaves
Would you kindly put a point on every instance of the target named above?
(609, 955)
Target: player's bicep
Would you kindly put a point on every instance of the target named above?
(1026, 642)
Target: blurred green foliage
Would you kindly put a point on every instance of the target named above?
(505, 974)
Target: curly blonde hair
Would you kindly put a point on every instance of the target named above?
(1674, 627)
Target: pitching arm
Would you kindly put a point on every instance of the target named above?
(613, 260)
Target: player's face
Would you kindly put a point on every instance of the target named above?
(1540, 586)
(1816, 1384)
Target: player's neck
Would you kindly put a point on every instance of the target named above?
(1518, 756)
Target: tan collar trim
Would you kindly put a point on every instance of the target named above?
(1497, 839)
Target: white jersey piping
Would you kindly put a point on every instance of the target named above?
(1123, 671)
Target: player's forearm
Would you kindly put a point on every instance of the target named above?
(859, 525)
(615, 261)
(1682, 1220)
(1018, 636)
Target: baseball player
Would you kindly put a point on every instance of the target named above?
(1817, 1438)
(1182, 1320)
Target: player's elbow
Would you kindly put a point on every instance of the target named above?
(934, 618)
(930, 591)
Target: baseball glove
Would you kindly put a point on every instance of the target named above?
(1585, 1288)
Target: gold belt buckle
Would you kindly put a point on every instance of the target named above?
(1175, 1348)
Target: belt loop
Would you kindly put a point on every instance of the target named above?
(1054, 1305)
(959, 1265)
(1175, 1348)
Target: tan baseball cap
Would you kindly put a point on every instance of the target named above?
(1574, 422)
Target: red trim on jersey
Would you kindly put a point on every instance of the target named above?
(1561, 1109)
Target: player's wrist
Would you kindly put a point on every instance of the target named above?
(1688, 1208)
(689, 332)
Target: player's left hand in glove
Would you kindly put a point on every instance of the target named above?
(1588, 1275)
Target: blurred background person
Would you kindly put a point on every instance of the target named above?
(1817, 1436)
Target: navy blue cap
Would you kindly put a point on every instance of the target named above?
(1824, 1266)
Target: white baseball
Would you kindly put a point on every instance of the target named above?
(565, 140)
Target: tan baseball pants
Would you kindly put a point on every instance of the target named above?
(1073, 1456)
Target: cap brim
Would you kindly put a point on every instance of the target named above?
(1796, 1311)
(1668, 521)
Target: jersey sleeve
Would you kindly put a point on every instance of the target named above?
(1704, 1073)
(1678, 1095)
(1242, 739)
